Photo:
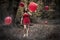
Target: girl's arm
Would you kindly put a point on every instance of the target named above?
(21, 19)
(29, 13)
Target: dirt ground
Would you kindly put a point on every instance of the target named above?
(39, 31)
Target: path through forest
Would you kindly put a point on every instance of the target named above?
(36, 32)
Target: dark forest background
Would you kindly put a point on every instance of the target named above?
(10, 7)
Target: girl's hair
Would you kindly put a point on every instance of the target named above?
(25, 11)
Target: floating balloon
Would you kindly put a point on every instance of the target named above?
(46, 22)
(32, 7)
(46, 8)
(21, 4)
(8, 20)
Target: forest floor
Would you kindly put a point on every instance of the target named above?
(40, 31)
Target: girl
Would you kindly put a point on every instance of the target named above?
(26, 23)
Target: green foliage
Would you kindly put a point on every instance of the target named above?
(39, 12)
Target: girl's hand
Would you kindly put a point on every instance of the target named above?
(29, 13)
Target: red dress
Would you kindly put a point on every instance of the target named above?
(26, 18)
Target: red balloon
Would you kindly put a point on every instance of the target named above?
(46, 8)
(46, 22)
(32, 7)
(21, 4)
(8, 20)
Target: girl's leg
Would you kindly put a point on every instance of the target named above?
(24, 31)
(27, 30)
